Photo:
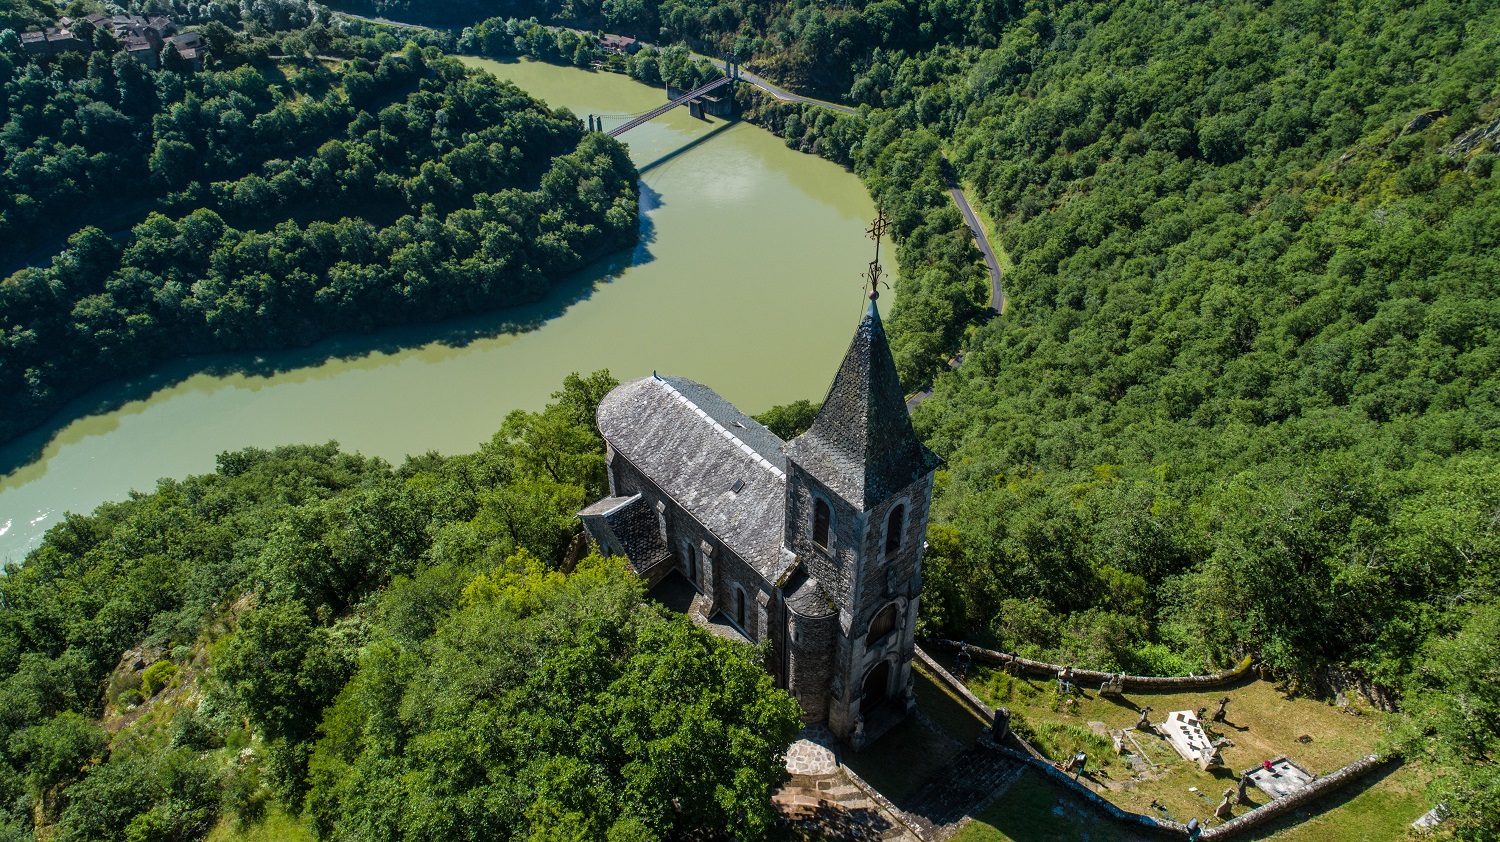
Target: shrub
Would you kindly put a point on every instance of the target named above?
(157, 676)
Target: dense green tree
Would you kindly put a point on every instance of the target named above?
(597, 716)
(57, 751)
(310, 566)
(791, 420)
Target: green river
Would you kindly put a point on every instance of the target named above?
(747, 279)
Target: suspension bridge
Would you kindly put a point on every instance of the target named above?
(596, 122)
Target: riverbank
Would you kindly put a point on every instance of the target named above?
(746, 278)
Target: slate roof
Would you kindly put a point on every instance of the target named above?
(627, 524)
(745, 428)
(804, 596)
(675, 432)
(862, 445)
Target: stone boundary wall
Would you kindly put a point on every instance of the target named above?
(1137, 821)
(1091, 679)
(1020, 749)
(985, 712)
(1302, 797)
(1025, 752)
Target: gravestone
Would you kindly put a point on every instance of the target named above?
(1281, 777)
(1184, 730)
(1144, 723)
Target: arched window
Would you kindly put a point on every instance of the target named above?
(882, 625)
(739, 608)
(691, 560)
(821, 517)
(893, 526)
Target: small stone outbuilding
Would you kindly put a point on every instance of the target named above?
(811, 548)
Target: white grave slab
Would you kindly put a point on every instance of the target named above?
(1283, 778)
(1432, 818)
(1183, 730)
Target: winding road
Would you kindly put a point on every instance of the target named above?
(981, 239)
(991, 262)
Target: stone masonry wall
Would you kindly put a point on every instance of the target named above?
(810, 663)
(861, 581)
(882, 582)
(834, 569)
(1155, 683)
(719, 569)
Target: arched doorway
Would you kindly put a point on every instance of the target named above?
(876, 687)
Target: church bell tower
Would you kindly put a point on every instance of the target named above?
(858, 487)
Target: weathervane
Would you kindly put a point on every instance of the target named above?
(875, 275)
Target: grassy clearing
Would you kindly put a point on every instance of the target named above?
(1263, 722)
(1380, 808)
(276, 827)
(1377, 809)
(946, 709)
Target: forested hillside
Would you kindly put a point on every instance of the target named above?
(274, 204)
(1244, 398)
(395, 649)
(1245, 395)
(1247, 392)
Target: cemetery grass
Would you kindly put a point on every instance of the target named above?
(945, 708)
(1036, 810)
(1378, 808)
(1263, 722)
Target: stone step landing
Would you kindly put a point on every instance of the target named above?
(831, 807)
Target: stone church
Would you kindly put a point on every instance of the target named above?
(810, 548)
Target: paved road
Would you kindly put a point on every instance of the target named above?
(386, 21)
(778, 92)
(981, 239)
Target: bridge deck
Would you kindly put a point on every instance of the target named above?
(657, 112)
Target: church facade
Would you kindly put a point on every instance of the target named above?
(811, 549)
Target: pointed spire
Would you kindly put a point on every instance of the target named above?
(862, 445)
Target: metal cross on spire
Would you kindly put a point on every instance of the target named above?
(875, 275)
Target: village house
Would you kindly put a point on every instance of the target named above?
(811, 548)
(141, 37)
(619, 44)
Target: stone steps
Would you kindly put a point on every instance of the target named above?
(833, 808)
(960, 790)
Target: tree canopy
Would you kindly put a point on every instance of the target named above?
(277, 209)
(400, 650)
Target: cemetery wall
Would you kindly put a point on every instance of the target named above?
(1301, 798)
(1010, 743)
(1091, 679)
(1025, 752)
